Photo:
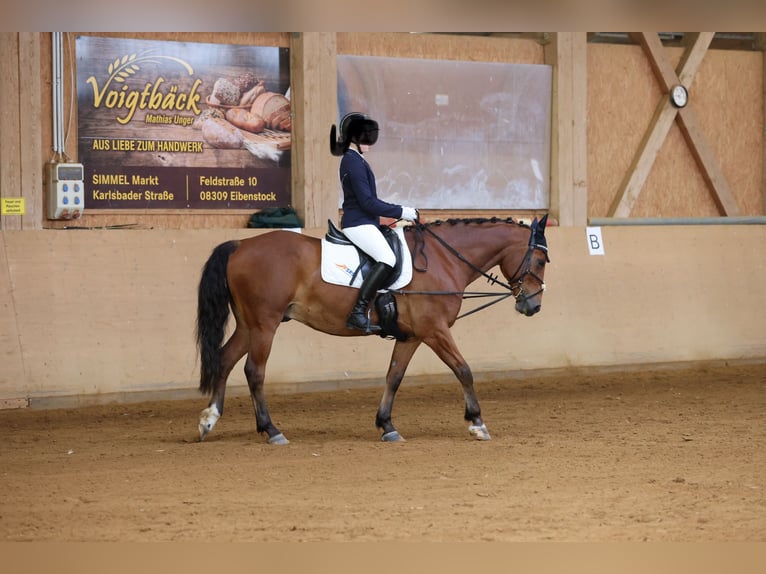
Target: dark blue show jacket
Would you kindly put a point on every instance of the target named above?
(360, 197)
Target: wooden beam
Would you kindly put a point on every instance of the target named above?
(30, 130)
(559, 167)
(580, 129)
(705, 159)
(760, 44)
(314, 97)
(567, 54)
(642, 163)
(10, 107)
(693, 133)
(693, 56)
(658, 60)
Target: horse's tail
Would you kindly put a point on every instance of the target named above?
(213, 301)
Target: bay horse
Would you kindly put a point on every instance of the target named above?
(275, 277)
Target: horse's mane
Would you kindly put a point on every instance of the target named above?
(464, 220)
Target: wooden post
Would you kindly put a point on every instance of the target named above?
(30, 137)
(10, 168)
(760, 43)
(567, 53)
(580, 129)
(314, 97)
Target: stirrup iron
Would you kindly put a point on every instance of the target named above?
(368, 327)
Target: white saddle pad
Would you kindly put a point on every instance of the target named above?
(339, 262)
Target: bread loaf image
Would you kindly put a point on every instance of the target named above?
(205, 115)
(248, 97)
(225, 93)
(245, 81)
(246, 120)
(221, 134)
(269, 105)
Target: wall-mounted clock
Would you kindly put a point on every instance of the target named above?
(679, 96)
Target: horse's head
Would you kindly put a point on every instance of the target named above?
(527, 281)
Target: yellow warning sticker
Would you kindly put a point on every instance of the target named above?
(12, 206)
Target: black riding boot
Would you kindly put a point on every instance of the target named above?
(358, 317)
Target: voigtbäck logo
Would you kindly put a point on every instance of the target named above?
(116, 93)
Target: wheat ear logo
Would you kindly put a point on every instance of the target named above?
(116, 93)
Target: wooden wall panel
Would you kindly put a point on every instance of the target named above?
(13, 379)
(10, 153)
(728, 93)
(622, 96)
(675, 186)
(20, 125)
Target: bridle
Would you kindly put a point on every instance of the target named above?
(514, 289)
(525, 268)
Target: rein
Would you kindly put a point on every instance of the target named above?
(419, 247)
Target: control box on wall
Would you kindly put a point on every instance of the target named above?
(66, 195)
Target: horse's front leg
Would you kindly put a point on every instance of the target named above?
(444, 346)
(255, 371)
(400, 358)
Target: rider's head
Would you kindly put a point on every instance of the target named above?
(354, 128)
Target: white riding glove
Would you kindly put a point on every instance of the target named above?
(409, 213)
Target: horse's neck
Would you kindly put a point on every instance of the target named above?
(483, 244)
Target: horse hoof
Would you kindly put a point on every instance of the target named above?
(278, 439)
(392, 436)
(207, 419)
(479, 432)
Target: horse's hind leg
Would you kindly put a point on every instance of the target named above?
(255, 371)
(400, 358)
(444, 346)
(234, 349)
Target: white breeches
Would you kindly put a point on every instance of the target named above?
(370, 240)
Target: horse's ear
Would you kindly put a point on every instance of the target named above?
(539, 230)
(538, 235)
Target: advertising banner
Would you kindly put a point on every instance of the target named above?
(180, 125)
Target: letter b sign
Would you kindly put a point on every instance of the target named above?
(595, 241)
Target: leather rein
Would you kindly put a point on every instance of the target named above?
(522, 270)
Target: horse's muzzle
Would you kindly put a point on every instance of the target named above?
(525, 307)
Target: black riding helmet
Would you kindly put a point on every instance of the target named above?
(354, 128)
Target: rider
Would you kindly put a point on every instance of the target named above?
(362, 209)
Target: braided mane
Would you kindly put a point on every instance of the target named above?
(464, 220)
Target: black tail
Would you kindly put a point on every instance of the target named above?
(212, 314)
